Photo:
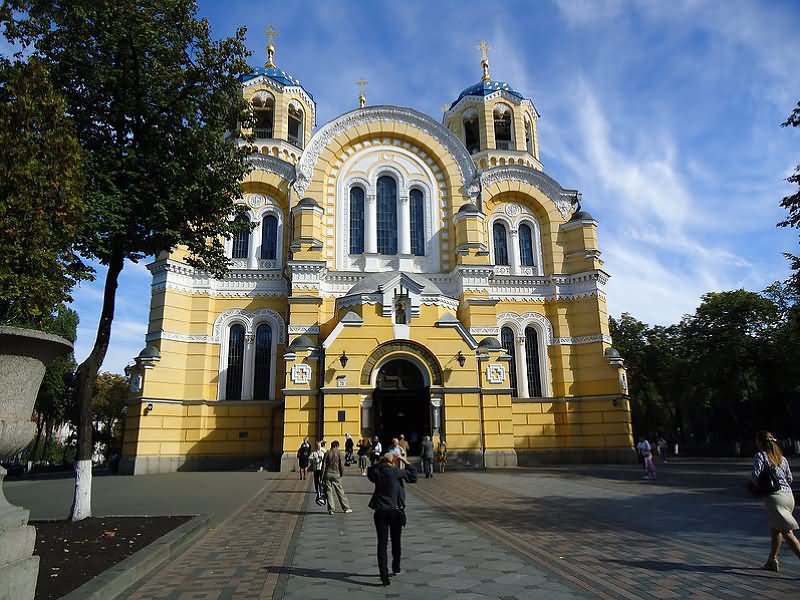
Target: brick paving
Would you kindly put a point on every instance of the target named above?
(230, 561)
(557, 533)
(601, 554)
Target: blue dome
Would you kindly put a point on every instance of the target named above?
(484, 88)
(278, 75)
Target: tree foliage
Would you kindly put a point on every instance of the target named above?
(152, 98)
(42, 203)
(719, 375)
(108, 402)
(792, 202)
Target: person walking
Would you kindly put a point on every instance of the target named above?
(441, 454)
(779, 504)
(303, 454)
(403, 444)
(333, 473)
(316, 462)
(646, 452)
(427, 456)
(364, 450)
(377, 449)
(389, 516)
(348, 450)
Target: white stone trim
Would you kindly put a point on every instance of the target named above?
(272, 164)
(581, 339)
(544, 329)
(496, 373)
(303, 329)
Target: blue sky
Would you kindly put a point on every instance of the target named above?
(665, 115)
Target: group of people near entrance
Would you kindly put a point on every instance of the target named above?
(389, 471)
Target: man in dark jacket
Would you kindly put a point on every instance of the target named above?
(387, 502)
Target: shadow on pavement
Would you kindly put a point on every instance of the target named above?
(324, 574)
(664, 566)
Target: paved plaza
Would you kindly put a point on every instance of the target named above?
(551, 533)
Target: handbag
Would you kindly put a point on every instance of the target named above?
(768, 481)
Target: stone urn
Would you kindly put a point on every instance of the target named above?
(23, 356)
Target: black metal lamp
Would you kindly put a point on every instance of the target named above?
(461, 358)
(343, 359)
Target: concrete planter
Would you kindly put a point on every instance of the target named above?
(23, 355)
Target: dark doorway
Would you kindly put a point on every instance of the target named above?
(402, 404)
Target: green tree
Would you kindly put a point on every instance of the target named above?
(792, 202)
(110, 393)
(152, 97)
(54, 402)
(41, 196)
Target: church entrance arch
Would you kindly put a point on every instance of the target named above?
(401, 403)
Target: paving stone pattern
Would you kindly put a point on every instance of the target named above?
(231, 560)
(335, 557)
(606, 556)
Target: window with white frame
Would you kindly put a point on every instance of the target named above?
(269, 237)
(295, 125)
(356, 220)
(526, 255)
(241, 240)
(387, 215)
(235, 365)
(507, 341)
(500, 239)
(262, 369)
(417, 214)
(248, 358)
(503, 127)
(533, 362)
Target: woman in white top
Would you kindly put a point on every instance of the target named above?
(779, 504)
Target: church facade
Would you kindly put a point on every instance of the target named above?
(405, 275)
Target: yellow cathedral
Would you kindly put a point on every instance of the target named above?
(404, 275)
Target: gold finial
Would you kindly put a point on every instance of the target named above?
(484, 48)
(271, 35)
(362, 99)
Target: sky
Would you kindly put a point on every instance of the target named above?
(665, 115)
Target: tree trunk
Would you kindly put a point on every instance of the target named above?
(85, 378)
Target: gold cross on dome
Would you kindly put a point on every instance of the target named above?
(484, 48)
(271, 35)
(362, 85)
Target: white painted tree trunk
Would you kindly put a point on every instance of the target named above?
(82, 502)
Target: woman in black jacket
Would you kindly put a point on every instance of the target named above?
(388, 503)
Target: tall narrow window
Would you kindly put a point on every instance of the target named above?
(233, 381)
(295, 126)
(526, 245)
(500, 245)
(502, 127)
(528, 137)
(417, 223)
(507, 341)
(472, 132)
(269, 237)
(261, 376)
(387, 215)
(241, 240)
(264, 113)
(356, 220)
(532, 354)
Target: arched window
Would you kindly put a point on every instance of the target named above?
(532, 355)
(269, 237)
(356, 220)
(528, 137)
(507, 341)
(295, 125)
(417, 223)
(233, 380)
(500, 244)
(503, 118)
(387, 215)
(264, 113)
(526, 245)
(241, 240)
(472, 131)
(263, 363)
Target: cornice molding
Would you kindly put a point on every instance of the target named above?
(271, 164)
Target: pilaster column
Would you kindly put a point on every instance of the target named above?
(247, 371)
(513, 251)
(254, 252)
(522, 368)
(371, 225)
(404, 226)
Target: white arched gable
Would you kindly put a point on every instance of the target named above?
(364, 168)
(250, 320)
